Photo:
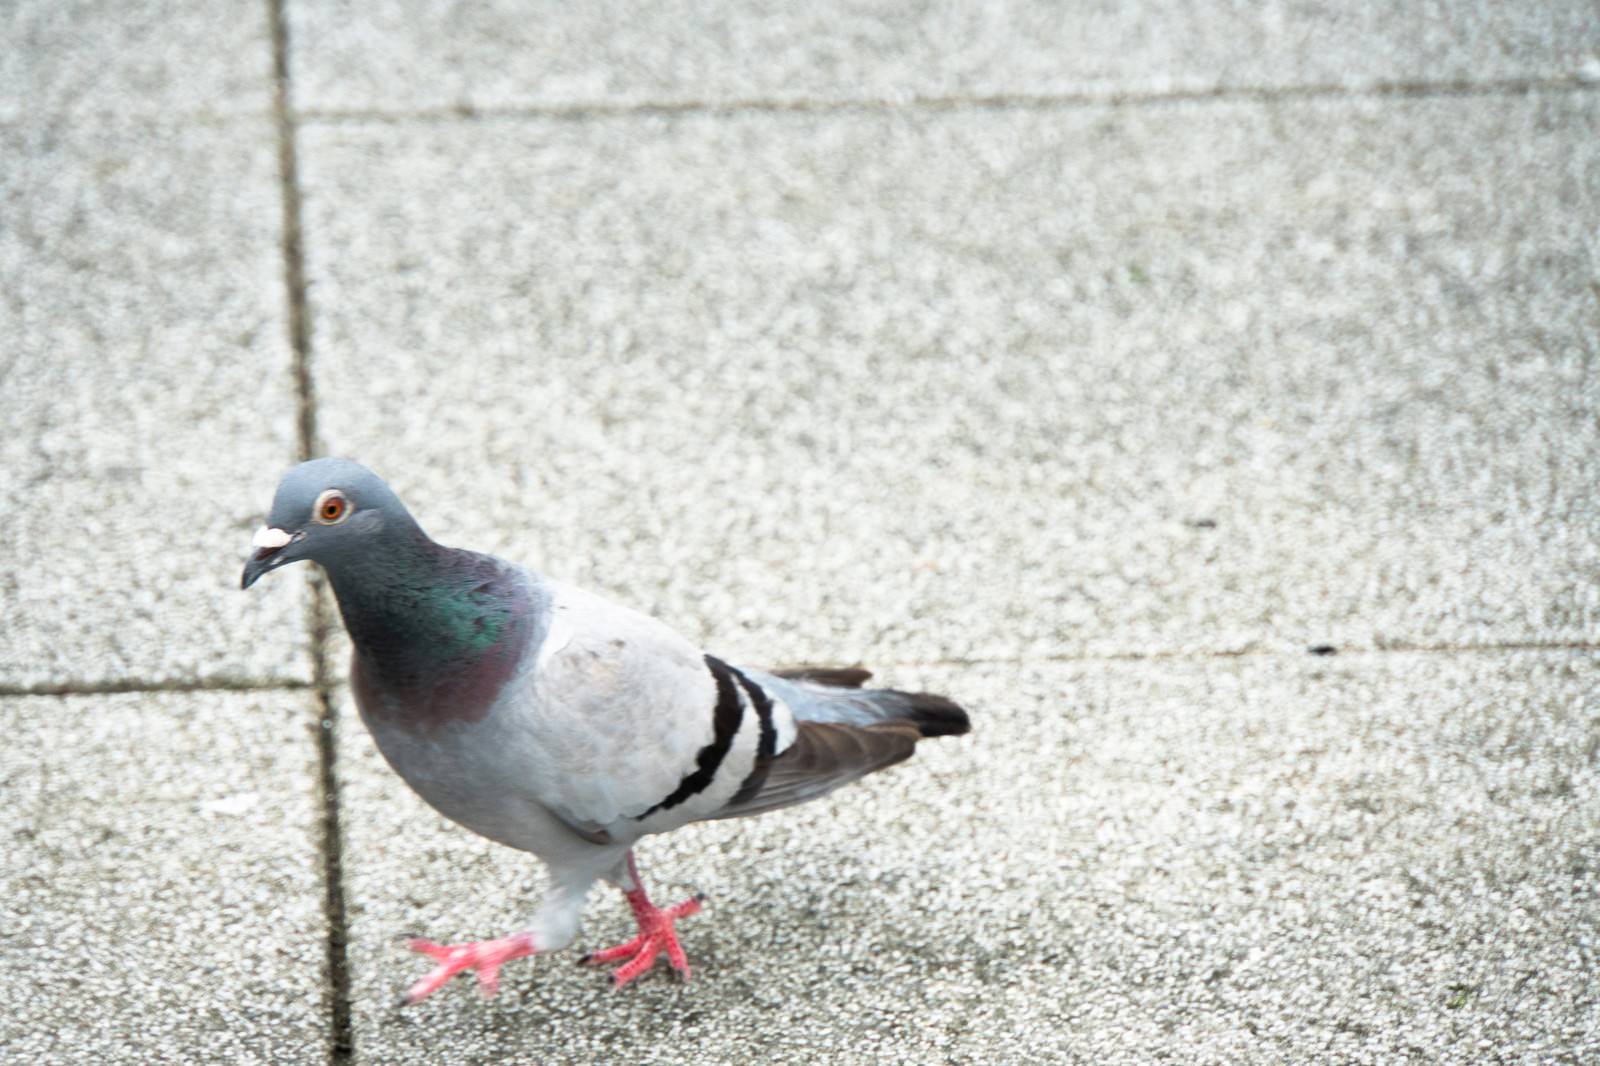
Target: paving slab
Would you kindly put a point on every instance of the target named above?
(161, 892)
(147, 57)
(969, 384)
(146, 390)
(1263, 859)
(397, 55)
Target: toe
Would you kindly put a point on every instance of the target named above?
(676, 956)
(685, 909)
(488, 980)
(428, 985)
(638, 966)
(436, 952)
(621, 951)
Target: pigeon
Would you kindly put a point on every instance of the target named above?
(552, 720)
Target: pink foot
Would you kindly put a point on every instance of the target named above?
(485, 957)
(655, 936)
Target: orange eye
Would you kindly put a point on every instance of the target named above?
(331, 508)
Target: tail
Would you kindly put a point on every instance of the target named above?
(842, 732)
(834, 694)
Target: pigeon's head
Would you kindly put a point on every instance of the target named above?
(323, 510)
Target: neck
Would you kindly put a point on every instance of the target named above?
(418, 612)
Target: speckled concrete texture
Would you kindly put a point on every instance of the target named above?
(161, 891)
(148, 403)
(135, 57)
(1364, 859)
(1092, 363)
(397, 55)
(991, 383)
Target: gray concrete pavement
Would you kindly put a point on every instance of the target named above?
(161, 893)
(1213, 860)
(395, 56)
(153, 58)
(148, 399)
(1090, 365)
(1322, 326)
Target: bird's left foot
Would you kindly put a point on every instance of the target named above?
(655, 936)
(485, 957)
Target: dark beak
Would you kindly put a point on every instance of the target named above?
(268, 544)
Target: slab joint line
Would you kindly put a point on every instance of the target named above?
(341, 1043)
(934, 102)
(1161, 655)
(118, 686)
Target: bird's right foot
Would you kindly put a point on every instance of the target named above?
(656, 934)
(484, 956)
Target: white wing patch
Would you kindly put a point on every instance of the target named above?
(782, 725)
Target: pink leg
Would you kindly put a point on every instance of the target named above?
(655, 935)
(485, 956)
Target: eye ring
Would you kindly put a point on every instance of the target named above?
(331, 508)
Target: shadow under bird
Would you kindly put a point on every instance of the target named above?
(551, 720)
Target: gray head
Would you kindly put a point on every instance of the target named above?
(325, 510)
